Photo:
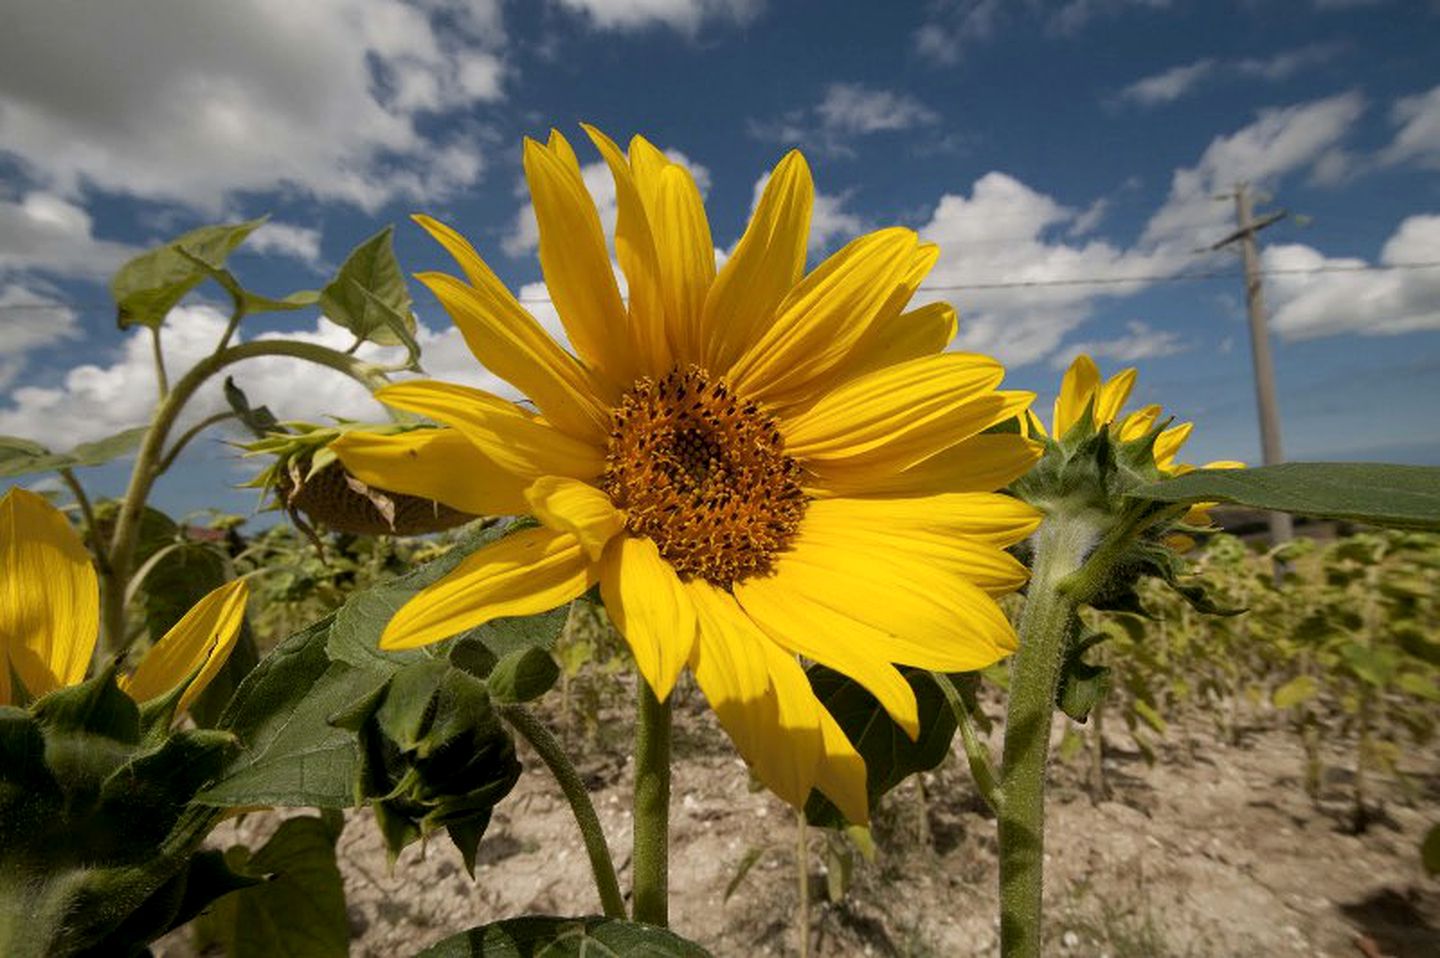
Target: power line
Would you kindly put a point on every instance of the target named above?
(956, 287)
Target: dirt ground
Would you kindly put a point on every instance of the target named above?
(1214, 851)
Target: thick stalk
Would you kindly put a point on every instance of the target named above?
(152, 449)
(602, 866)
(650, 857)
(802, 875)
(1046, 625)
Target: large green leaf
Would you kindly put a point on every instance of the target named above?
(890, 755)
(153, 283)
(543, 936)
(21, 457)
(281, 712)
(299, 912)
(1405, 497)
(368, 296)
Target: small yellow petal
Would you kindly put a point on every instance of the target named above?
(650, 607)
(49, 597)
(439, 464)
(202, 640)
(1111, 396)
(1168, 443)
(763, 268)
(503, 432)
(569, 505)
(1077, 387)
(1139, 422)
(527, 572)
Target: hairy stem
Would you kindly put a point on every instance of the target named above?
(650, 859)
(602, 866)
(1046, 627)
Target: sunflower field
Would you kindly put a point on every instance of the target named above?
(762, 623)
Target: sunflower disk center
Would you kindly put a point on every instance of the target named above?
(704, 475)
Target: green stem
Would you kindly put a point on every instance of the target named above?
(650, 858)
(977, 755)
(149, 458)
(1047, 624)
(602, 866)
(802, 874)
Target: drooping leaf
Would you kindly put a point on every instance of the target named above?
(21, 457)
(890, 756)
(258, 419)
(147, 287)
(1082, 684)
(544, 936)
(368, 295)
(1383, 494)
(522, 676)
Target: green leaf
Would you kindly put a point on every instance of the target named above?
(292, 755)
(1406, 497)
(1297, 691)
(300, 911)
(1082, 685)
(747, 862)
(153, 283)
(368, 296)
(1147, 712)
(1430, 850)
(21, 457)
(890, 756)
(246, 301)
(523, 676)
(544, 936)
(258, 419)
(1419, 686)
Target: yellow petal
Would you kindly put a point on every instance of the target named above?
(818, 325)
(1111, 396)
(687, 257)
(1077, 387)
(202, 639)
(987, 517)
(635, 249)
(925, 616)
(759, 693)
(983, 564)
(49, 598)
(511, 344)
(978, 464)
(569, 505)
(895, 417)
(766, 263)
(841, 775)
(649, 163)
(651, 607)
(439, 464)
(576, 262)
(1168, 443)
(1139, 422)
(835, 640)
(527, 572)
(900, 338)
(503, 432)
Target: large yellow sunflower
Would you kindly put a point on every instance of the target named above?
(755, 464)
(50, 614)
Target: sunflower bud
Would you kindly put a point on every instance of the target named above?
(433, 755)
(307, 477)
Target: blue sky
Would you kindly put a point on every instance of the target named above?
(1050, 143)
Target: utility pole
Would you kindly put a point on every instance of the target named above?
(1246, 226)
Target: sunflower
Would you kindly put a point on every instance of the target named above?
(756, 465)
(1081, 387)
(49, 614)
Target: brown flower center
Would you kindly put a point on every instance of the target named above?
(704, 475)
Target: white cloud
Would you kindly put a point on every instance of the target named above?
(684, 16)
(1139, 342)
(1279, 142)
(1006, 232)
(30, 320)
(194, 102)
(1371, 303)
(942, 39)
(286, 239)
(524, 234)
(1167, 86)
(1418, 139)
(46, 233)
(852, 108)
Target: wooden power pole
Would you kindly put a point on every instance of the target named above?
(1246, 226)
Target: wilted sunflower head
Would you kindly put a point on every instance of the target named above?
(756, 464)
(306, 477)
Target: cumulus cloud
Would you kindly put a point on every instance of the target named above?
(46, 233)
(683, 16)
(194, 102)
(1279, 142)
(1418, 138)
(954, 25)
(1167, 86)
(845, 111)
(30, 320)
(1368, 303)
(1139, 341)
(286, 239)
